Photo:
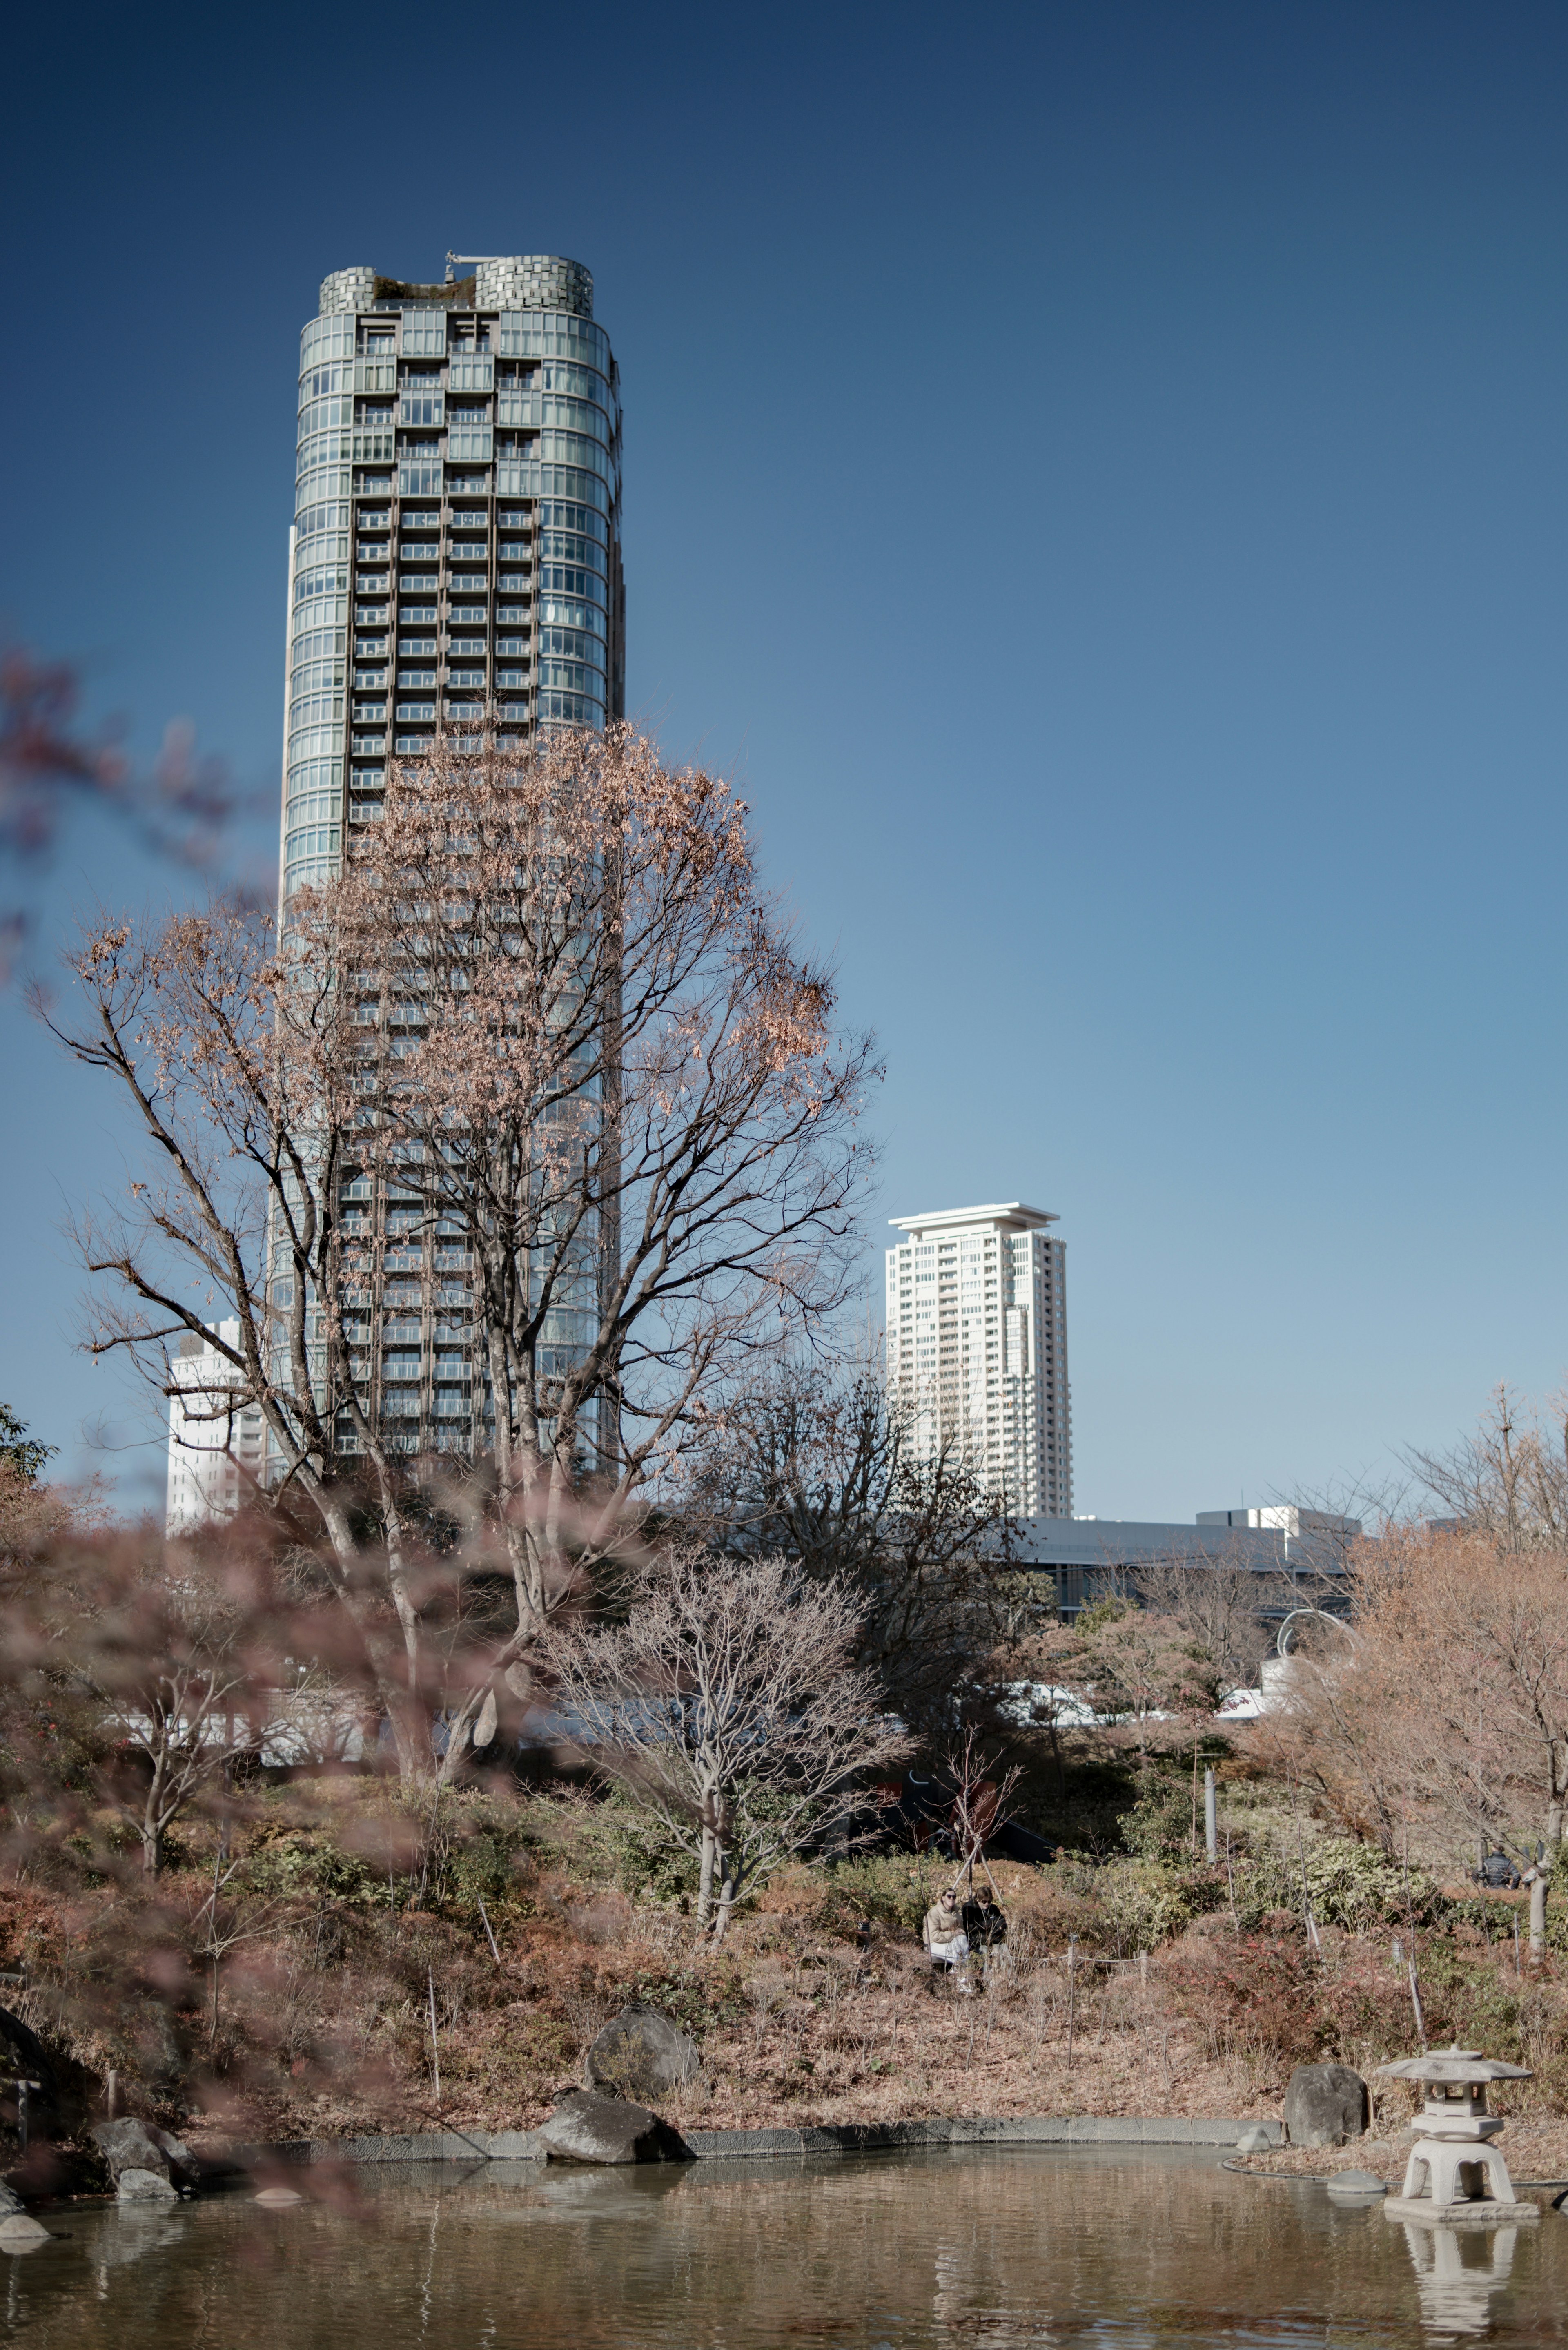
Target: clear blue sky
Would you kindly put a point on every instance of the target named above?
(1095, 475)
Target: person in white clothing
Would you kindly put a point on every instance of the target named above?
(947, 1944)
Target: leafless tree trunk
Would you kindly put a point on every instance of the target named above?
(729, 1707)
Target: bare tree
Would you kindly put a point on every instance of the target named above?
(822, 1467)
(1131, 1665)
(1508, 1481)
(548, 1023)
(243, 1072)
(1218, 1605)
(592, 1050)
(729, 1707)
(1447, 1700)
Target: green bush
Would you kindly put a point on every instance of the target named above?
(889, 1888)
(1145, 1905)
(647, 1861)
(1349, 1883)
(1159, 1824)
(304, 1864)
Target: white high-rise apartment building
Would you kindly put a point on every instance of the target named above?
(977, 1346)
(214, 1453)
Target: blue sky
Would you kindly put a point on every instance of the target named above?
(1096, 477)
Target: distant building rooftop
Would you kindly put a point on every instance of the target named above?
(1291, 1542)
(1009, 1212)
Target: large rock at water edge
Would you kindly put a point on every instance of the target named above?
(586, 2128)
(641, 2054)
(21, 2231)
(134, 2186)
(1324, 2105)
(131, 2145)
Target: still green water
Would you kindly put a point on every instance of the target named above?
(989, 2248)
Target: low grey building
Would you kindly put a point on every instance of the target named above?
(1086, 1556)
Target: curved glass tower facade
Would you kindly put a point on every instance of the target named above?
(456, 538)
(454, 558)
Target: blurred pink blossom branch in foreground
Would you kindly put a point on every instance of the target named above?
(179, 808)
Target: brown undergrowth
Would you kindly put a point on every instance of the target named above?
(282, 1985)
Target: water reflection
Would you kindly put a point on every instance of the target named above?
(1458, 2270)
(990, 2249)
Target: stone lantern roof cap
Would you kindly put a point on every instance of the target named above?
(1453, 2064)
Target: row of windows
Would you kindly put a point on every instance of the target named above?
(573, 616)
(315, 775)
(322, 842)
(570, 709)
(575, 646)
(552, 334)
(317, 710)
(311, 807)
(319, 579)
(522, 478)
(338, 375)
(327, 339)
(574, 449)
(325, 448)
(316, 643)
(314, 522)
(304, 744)
(567, 513)
(317, 415)
(313, 489)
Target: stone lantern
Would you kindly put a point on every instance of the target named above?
(1455, 2171)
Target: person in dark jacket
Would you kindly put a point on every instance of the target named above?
(984, 1921)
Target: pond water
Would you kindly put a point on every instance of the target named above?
(979, 2247)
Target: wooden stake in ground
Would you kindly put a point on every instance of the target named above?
(1072, 1992)
(435, 2049)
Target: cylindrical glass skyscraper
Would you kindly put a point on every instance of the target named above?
(456, 539)
(454, 561)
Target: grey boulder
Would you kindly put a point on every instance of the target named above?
(1357, 2186)
(586, 2128)
(132, 2145)
(641, 2054)
(134, 2186)
(19, 2232)
(1325, 2104)
(1255, 2140)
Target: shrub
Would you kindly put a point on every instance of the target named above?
(888, 1887)
(1145, 1905)
(1349, 1884)
(1159, 1824)
(305, 1864)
